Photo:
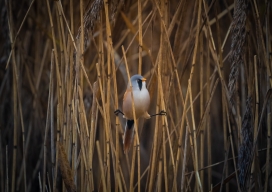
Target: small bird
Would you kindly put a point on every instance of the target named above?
(141, 104)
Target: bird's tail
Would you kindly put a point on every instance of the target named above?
(128, 136)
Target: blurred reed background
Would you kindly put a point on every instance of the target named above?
(63, 73)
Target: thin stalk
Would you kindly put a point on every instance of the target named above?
(109, 43)
(254, 169)
(7, 175)
(184, 159)
(267, 164)
(195, 139)
(140, 42)
(202, 143)
(135, 125)
(232, 145)
(103, 177)
(50, 95)
(19, 30)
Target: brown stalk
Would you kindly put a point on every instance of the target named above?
(15, 38)
(109, 43)
(101, 167)
(184, 159)
(268, 151)
(195, 141)
(66, 170)
(135, 128)
(14, 94)
(50, 95)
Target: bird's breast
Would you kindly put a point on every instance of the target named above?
(141, 103)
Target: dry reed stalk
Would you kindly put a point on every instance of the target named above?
(83, 158)
(123, 179)
(13, 43)
(117, 127)
(256, 120)
(267, 31)
(57, 148)
(133, 162)
(141, 177)
(252, 152)
(208, 121)
(184, 160)
(226, 141)
(135, 128)
(119, 186)
(201, 59)
(188, 188)
(74, 140)
(212, 50)
(71, 6)
(162, 102)
(81, 44)
(62, 38)
(153, 157)
(175, 18)
(260, 39)
(93, 119)
(161, 69)
(49, 110)
(225, 165)
(7, 175)
(267, 163)
(140, 40)
(105, 113)
(81, 61)
(135, 32)
(193, 63)
(15, 99)
(159, 174)
(203, 117)
(103, 177)
(220, 50)
(165, 160)
(231, 142)
(40, 182)
(164, 119)
(109, 43)
(48, 181)
(1, 164)
(195, 139)
(65, 170)
(85, 138)
(221, 14)
(184, 117)
(54, 44)
(23, 167)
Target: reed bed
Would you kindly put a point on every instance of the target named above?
(65, 66)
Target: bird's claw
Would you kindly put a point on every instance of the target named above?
(116, 112)
(163, 113)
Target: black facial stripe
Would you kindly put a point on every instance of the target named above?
(140, 83)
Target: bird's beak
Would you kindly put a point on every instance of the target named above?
(143, 79)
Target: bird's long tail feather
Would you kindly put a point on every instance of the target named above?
(128, 136)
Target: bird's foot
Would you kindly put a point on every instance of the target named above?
(116, 112)
(160, 113)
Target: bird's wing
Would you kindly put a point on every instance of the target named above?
(128, 91)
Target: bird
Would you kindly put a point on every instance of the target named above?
(141, 104)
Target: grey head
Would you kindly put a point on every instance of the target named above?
(137, 82)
